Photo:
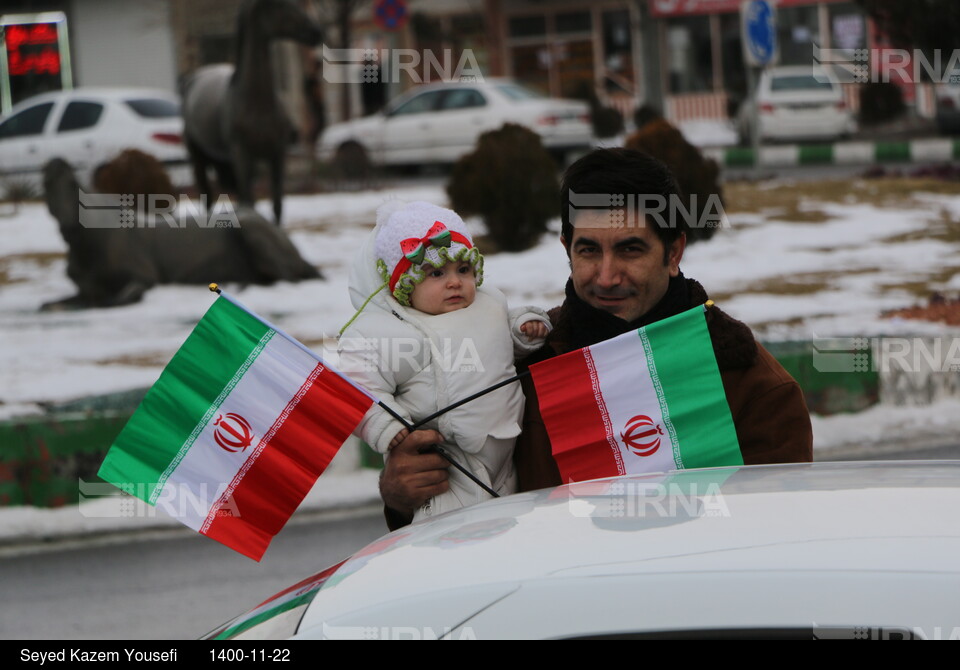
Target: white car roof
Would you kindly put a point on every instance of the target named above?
(776, 535)
(103, 93)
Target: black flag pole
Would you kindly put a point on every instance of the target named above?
(469, 398)
(436, 447)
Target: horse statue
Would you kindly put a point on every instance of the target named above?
(114, 261)
(233, 117)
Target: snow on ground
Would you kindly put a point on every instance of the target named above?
(854, 270)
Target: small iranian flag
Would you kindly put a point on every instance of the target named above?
(236, 430)
(650, 400)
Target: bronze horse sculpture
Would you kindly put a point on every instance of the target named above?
(233, 117)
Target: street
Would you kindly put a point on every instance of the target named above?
(169, 585)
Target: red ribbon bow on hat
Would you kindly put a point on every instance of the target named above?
(415, 249)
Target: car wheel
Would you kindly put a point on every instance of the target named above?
(351, 161)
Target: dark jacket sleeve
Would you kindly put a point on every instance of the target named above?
(769, 413)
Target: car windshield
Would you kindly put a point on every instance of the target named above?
(518, 92)
(154, 108)
(800, 82)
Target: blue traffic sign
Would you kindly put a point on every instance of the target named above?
(759, 31)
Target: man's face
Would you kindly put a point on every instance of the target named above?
(620, 270)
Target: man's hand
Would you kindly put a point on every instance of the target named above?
(410, 478)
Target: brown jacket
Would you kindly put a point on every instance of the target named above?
(766, 403)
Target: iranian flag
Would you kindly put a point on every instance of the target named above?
(650, 400)
(236, 430)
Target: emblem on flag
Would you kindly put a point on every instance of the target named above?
(233, 432)
(640, 435)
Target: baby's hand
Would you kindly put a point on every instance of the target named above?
(534, 330)
(398, 438)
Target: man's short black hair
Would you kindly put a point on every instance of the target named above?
(627, 176)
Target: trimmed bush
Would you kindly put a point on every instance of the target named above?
(606, 121)
(880, 101)
(511, 181)
(696, 175)
(644, 115)
(133, 172)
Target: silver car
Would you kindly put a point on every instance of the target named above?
(439, 123)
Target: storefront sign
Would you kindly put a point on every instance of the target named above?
(663, 8)
(34, 56)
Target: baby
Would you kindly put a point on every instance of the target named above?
(427, 335)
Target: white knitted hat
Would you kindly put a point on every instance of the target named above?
(412, 234)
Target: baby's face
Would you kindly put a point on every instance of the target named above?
(452, 287)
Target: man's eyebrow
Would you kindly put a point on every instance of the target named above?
(631, 242)
(585, 241)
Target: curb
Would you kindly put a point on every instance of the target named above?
(840, 153)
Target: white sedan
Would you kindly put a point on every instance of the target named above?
(797, 103)
(88, 127)
(825, 550)
(439, 123)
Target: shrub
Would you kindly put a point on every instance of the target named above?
(511, 181)
(880, 101)
(696, 175)
(606, 121)
(644, 115)
(135, 172)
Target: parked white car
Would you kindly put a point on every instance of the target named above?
(87, 127)
(797, 103)
(823, 550)
(439, 123)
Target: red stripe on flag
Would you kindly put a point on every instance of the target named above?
(298, 448)
(572, 410)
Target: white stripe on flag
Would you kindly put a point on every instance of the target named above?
(260, 397)
(622, 364)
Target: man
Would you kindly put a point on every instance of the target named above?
(624, 276)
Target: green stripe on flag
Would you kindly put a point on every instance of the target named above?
(686, 370)
(956, 150)
(177, 406)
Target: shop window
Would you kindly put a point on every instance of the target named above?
(731, 54)
(848, 29)
(690, 64)
(617, 54)
(798, 29)
(528, 26)
(573, 22)
(531, 65)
